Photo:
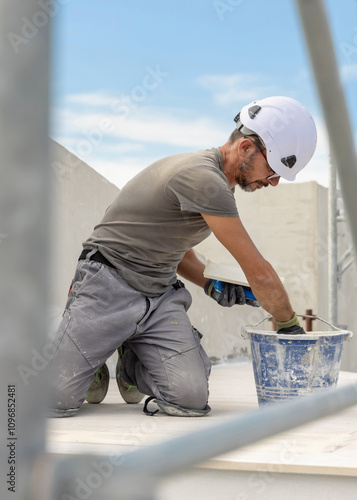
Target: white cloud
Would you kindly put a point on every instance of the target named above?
(120, 172)
(115, 148)
(349, 73)
(318, 168)
(119, 169)
(91, 99)
(195, 133)
(322, 146)
(147, 125)
(101, 100)
(96, 134)
(231, 89)
(89, 128)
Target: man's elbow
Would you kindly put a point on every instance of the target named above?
(263, 277)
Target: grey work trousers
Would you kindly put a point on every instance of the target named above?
(102, 312)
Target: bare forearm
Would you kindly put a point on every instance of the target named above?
(265, 283)
(270, 293)
(192, 269)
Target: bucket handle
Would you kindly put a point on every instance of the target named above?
(320, 319)
(299, 315)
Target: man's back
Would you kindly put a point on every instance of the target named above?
(156, 217)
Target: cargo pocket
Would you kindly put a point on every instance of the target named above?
(85, 274)
(62, 329)
(205, 359)
(86, 280)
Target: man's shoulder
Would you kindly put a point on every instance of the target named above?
(204, 161)
(210, 156)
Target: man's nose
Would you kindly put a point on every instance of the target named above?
(274, 182)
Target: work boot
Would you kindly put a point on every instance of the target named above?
(99, 387)
(130, 393)
(174, 409)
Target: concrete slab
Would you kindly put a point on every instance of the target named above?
(327, 447)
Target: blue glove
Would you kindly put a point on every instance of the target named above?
(228, 294)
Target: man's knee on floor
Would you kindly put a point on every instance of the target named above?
(186, 401)
(193, 396)
(64, 395)
(56, 413)
(62, 401)
(62, 407)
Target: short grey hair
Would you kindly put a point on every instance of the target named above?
(237, 134)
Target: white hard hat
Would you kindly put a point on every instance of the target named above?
(286, 129)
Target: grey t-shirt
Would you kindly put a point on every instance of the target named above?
(156, 218)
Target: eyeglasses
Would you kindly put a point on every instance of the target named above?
(262, 151)
(273, 176)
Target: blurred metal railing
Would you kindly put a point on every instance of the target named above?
(25, 236)
(337, 118)
(25, 277)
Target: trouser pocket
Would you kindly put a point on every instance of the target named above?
(205, 359)
(86, 272)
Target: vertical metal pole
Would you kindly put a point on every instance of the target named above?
(332, 244)
(308, 321)
(317, 33)
(24, 236)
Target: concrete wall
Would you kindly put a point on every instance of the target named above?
(283, 224)
(288, 225)
(81, 196)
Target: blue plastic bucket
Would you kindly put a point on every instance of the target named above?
(289, 366)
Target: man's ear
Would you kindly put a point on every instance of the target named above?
(245, 146)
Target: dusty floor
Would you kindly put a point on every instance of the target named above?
(328, 446)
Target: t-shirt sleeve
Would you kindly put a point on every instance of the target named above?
(202, 189)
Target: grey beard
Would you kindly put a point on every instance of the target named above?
(244, 168)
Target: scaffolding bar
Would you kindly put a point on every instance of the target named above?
(322, 54)
(24, 291)
(24, 237)
(332, 244)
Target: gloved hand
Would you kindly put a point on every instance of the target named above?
(291, 327)
(228, 295)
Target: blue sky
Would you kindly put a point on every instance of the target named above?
(135, 81)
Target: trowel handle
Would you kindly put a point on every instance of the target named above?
(248, 293)
(247, 290)
(217, 285)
